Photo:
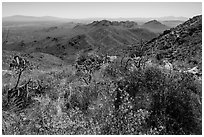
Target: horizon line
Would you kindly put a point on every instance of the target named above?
(96, 17)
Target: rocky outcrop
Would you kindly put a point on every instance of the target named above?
(127, 24)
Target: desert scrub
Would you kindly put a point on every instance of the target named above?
(168, 99)
(173, 107)
(115, 101)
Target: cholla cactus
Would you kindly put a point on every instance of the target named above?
(19, 65)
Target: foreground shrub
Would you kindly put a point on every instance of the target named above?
(169, 99)
(174, 107)
(115, 101)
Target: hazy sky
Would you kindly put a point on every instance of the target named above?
(107, 10)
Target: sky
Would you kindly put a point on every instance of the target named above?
(102, 10)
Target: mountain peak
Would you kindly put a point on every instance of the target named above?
(153, 22)
(155, 26)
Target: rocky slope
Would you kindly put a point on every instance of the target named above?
(182, 43)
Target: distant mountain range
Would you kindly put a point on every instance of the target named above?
(21, 18)
(172, 23)
(26, 18)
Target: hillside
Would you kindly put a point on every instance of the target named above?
(182, 43)
(31, 31)
(39, 60)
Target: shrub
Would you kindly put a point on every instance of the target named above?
(143, 101)
(172, 107)
(169, 101)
